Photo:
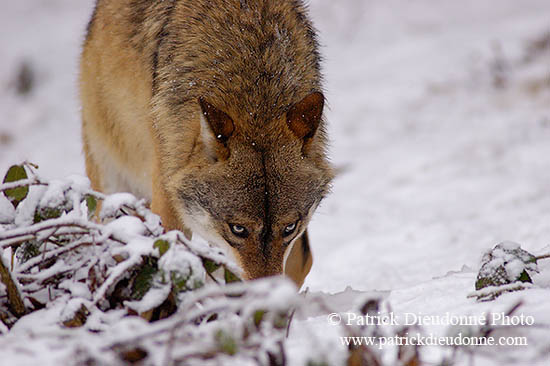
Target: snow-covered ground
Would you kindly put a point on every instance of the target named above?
(439, 119)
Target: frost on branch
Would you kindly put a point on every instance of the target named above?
(64, 265)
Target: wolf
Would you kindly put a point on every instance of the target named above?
(213, 111)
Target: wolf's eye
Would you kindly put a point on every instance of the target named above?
(238, 230)
(289, 229)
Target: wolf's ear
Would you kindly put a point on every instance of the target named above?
(304, 117)
(219, 123)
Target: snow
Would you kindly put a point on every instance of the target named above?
(153, 298)
(54, 194)
(514, 268)
(127, 227)
(437, 163)
(71, 308)
(7, 212)
(115, 202)
(76, 289)
(180, 261)
(25, 210)
(509, 245)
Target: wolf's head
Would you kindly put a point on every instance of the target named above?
(254, 189)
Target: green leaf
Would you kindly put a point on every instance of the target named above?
(143, 280)
(280, 321)
(91, 202)
(162, 246)
(180, 283)
(209, 265)
(46, 213)
(197, 284)
(258, 316)
(230, 276)
(16, 195)
(184, 282)
(524, 277)
(28, 250)
(226, 342)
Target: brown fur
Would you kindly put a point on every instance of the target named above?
(211, 109)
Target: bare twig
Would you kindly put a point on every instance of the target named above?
(54, 253)
(16, 241)
(544, 256)
(491, 292)
(48, 224)
(292, 315)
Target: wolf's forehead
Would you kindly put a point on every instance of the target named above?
(285, 186)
